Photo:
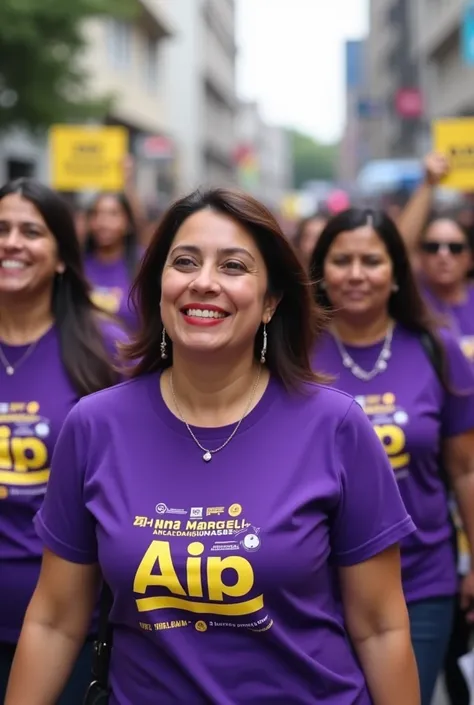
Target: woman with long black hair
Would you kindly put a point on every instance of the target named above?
(55, 347)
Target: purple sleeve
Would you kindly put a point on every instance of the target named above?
(457, 414)
(63, 523)
(370, 516)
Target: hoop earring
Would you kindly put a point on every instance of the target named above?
(163, 345)
(263, 354)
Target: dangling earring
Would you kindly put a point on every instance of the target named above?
(322, 284)
(163, 345)
(395, 288)
(263, 354)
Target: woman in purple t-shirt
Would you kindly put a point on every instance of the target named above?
(229, 500)
(52, 352)
(417, 388)
(112, 254)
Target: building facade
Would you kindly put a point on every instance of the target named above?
(200, 91)
(263, 156)
(447, 66)
(394, 80)
(123, 59)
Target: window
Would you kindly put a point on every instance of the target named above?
(151, 63)
(119, 43)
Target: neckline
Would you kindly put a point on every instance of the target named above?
(217, 433)
(46, 335)
(92, 259)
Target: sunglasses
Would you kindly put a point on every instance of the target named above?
(432, 248)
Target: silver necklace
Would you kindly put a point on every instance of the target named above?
(208, 453)
(380, 364)
(9, 369)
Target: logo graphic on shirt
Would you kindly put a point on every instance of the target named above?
(23, 452)
(389, 421)
(467, 346)
(107, 298)
(212, 586)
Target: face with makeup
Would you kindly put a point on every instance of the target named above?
(214, 287)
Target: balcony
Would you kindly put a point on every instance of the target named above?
(438, 25)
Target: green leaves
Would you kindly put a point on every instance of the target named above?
(311, 159)
(41, 81)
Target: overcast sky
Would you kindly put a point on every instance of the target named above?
(291, 59)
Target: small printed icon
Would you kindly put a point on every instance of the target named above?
(200, 626)
(162, 508)
(196, 512)
(235, 510)
(42, 429)
(211, 511)
(251, 542)
(400, 417)
(3, 492)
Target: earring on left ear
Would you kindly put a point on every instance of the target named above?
(395, 288)
(263, 354)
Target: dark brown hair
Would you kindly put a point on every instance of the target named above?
(297, 320)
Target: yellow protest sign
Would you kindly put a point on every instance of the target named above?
(455, 139)
(87, 157)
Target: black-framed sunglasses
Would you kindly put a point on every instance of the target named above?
(432, 248)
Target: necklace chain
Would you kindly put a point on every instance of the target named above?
(9, 368)
(208, 453)
(380, 364)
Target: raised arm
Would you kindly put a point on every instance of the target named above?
(414, 216)
(54, 630)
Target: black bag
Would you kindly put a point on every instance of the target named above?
(98, 690)
(435, 356)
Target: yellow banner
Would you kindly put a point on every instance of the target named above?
(87, 157)
(455, 139)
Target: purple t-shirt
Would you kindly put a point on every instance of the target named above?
(411, 413)
(110, 289)
(459, 318)
(33, 405)
(223, 574)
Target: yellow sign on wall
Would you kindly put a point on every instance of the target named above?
(87, 157)
(455, 139)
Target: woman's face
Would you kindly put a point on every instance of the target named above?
(445, 256)
(108, 222)
(214, 287)
(358, 273)
(311, 232)
(29, 257)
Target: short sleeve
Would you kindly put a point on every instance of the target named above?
(457, 414)
(63, 523)
(370, 516)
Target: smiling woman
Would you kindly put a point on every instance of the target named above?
(229, 498)
(421, 406)
(54, 349)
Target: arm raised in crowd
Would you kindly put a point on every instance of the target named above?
(55, 626)
(415, 215)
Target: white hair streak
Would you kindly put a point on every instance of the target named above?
(370, 219)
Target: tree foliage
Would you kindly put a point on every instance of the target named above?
(311, 159)
(41, 81)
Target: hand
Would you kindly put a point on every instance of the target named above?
(436, 168)
(467, 596)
